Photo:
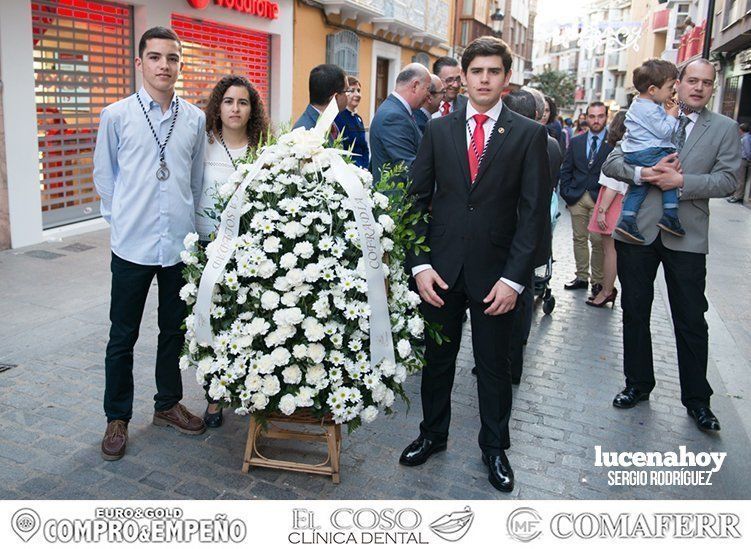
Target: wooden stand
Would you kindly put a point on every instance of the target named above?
(278, 427)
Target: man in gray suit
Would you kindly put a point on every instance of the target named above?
(705, 167)
(394, 135)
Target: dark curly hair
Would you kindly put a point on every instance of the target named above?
(258, 124)
(617, 128)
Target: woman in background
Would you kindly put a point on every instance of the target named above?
(235, 125)
(605, 216)
(352, 127)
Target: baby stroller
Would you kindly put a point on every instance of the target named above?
(544, 273)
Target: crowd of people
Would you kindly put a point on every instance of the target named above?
(483, 166)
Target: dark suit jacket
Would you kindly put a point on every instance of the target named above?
(577, 177)
(555, 157)
(421, 118)
(394, 136)
(307, 119)
(491, 228)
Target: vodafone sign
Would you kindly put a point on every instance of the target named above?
(259, 8)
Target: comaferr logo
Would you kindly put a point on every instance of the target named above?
(453, 526)
(641, 525)
(524, 524)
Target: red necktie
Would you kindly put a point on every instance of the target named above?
(334, 132)
(445, 108)
(476, 145)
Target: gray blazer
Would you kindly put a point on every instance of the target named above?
(710, 160)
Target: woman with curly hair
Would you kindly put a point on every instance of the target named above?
(235, 125)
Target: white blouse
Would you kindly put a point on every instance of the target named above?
(618, 186)
(216, 171)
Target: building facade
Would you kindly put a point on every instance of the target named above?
(369, 39)
(511, 20)
(731, 46)
(63, 61)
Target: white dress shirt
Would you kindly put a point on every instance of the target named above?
(439, 112)
(149, 218)
(488, 126)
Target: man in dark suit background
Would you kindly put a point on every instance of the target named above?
(526, 103)
(394, 135)
(325, 81)
(448, 70)
(580, 176)
(483, 174)
(430, 105)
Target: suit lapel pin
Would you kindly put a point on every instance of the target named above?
(501, 130)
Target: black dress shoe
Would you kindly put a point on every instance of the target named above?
(576, 284)
(419, 451)
(501, 476)
(213, 421)
(705, 419)
(629, 397)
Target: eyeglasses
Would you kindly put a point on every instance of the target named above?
(437, 93)
(453, 80)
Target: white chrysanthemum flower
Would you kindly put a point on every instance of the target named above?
(287, 405)
(188, 258)
(270, 385)
(304, 250)
(259, 401)
(404, 348)
(269, 300)
(288, 260)
(188, 292)
(292, 375)
(190, 241)
(272, 244)
(316, 352)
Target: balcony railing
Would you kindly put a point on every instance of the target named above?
(361, 10)
(422, 20)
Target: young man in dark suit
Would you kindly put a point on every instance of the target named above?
(580, 184)
(482, 173)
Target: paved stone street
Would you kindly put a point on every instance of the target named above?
(53, 331)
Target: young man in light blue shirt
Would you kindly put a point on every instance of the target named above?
(148, 171)
(652, 126)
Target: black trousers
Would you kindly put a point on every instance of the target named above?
(130, 286)
(685, 276)
(490, 345)
(525, 305)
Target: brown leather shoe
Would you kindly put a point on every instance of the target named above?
(181, 419)
(115, 439)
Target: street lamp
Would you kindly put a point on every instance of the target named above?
(497, 18)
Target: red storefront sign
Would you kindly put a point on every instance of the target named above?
(259, 8)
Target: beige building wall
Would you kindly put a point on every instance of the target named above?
(310, 32)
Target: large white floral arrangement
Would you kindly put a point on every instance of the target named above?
(290, 317)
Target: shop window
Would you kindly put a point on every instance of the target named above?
(343, 49)
(83, 61)
(213, 50)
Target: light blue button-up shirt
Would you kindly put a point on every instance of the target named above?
(647, 125)
(149, 218)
